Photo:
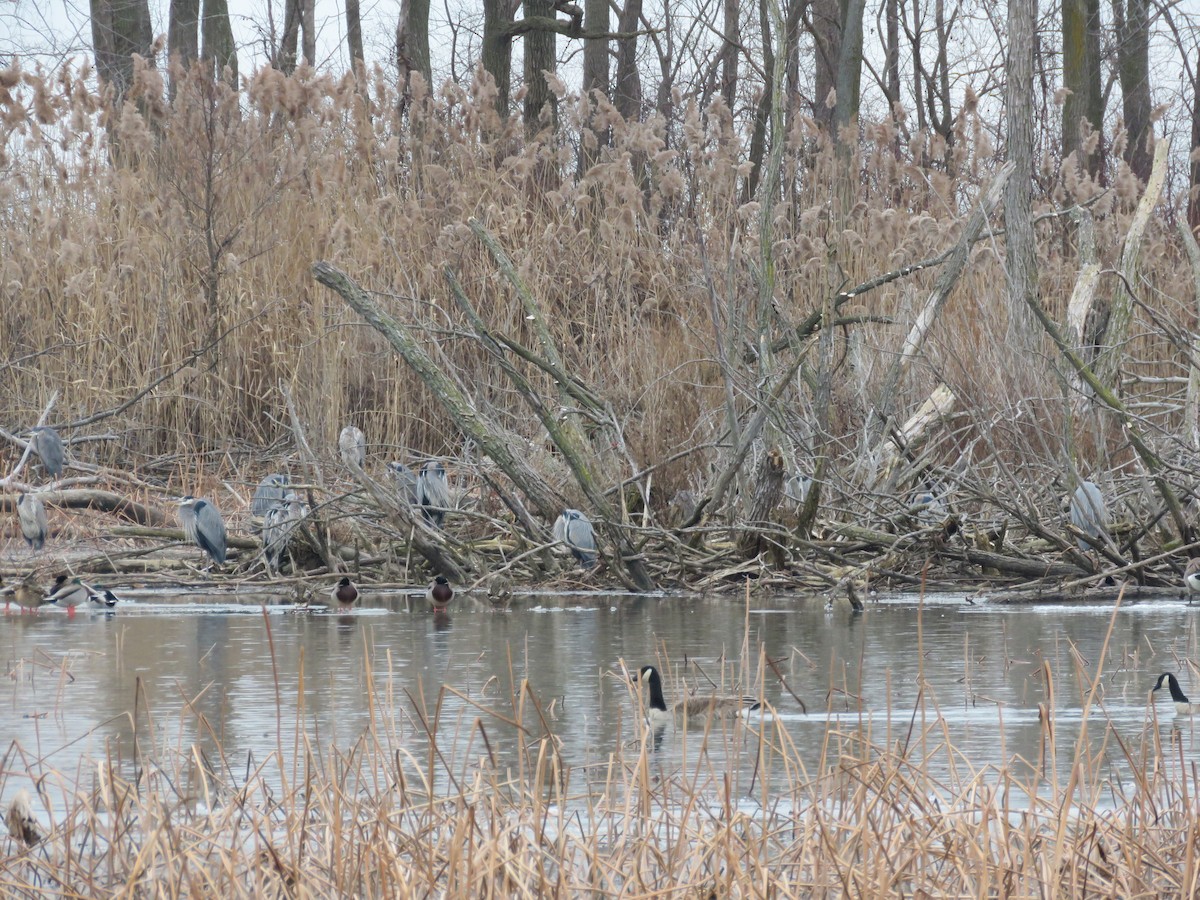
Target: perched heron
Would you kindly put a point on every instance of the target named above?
(269, 493)
(406, 482)
(440, 593)
(278, 527)
(796, 488)
(352, 444)
(203, 525)
(344, 593)
(929, 504)
(433, 492)
(1089, 514)
(49, 447)
(31, 513)
(574, 529)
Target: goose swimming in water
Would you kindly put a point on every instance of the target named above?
(1183, 707)
(658, 714)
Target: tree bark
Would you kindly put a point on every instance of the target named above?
(412, 40)
(120, 28)
(354, 43)
(540, 58)
(308, 18)
(768, 488)
(627, 92)
(595, 49)
(218, 40)
(1020, 260)
(1083, 107)
(1132, 25)
(849, 79)
(183, 36)
(729, 54)
(285, 56)
(827, 47)
(497, 49)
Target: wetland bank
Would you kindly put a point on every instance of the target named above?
(764, 401)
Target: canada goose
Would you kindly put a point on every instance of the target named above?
(658, 715)
(269, 494)
(440, 593)
(22, 823)
(1191, 577)
(352, 444)
(344, 593)
(574, 529)
(433, 492)
(1182, 706)
(203, 525)
(1089, 514)
(49, 447)
(31, 513)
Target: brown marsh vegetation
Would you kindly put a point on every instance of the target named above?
(162, 284)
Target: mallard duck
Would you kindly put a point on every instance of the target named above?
(344, 593)
(500, 592)
(1183, 707)
(440, 593)
(28, 594)
(105, 598)
(658, 714)
(70, 593)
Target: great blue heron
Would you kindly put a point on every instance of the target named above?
(440, 593)
(31, 513)
(929, 504)
(574, 529)
(796, 488)
(49, 447)
(406, 482)
(203, 525)
(270, 492)
(344, 593)
(1089, 514)
(433, 492)
(279, 526)
(352, 444)
(658, 714)
(1191, 577)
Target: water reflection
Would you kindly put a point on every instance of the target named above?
(236, 685)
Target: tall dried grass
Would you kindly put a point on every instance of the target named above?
(186, 246)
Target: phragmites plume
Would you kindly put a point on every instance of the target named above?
(22, 823)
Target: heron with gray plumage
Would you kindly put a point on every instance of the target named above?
(278, 529)
(203, 525)
(406, 482)
(1089, 514)
(352, 444)
(31, 513)
(574, 529)
(433, 492)
(48, 445)
(269, 493)
(929, 504)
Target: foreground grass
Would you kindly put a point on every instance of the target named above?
(721, 810)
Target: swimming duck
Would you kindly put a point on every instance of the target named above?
(344, 593)
(1183, 707)
(440, 593)
(658, 715)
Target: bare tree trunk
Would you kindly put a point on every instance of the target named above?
(183, 35)
(218, 40)
(762, 115)
(849, 74)
(412, 40)
(627, 93)
(120, 28)
(1020, 259)
(539, 59)
(891, 54)
(1132, 25)
(354, 44)
(308, 21)
(1081, 77)
(497, 49)
(285, 56)
(827, 47)
(729, 54)
(595, 49)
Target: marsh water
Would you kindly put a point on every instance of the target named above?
(241, 679)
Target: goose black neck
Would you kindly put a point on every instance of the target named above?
(657, 701)
(1177, 694)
